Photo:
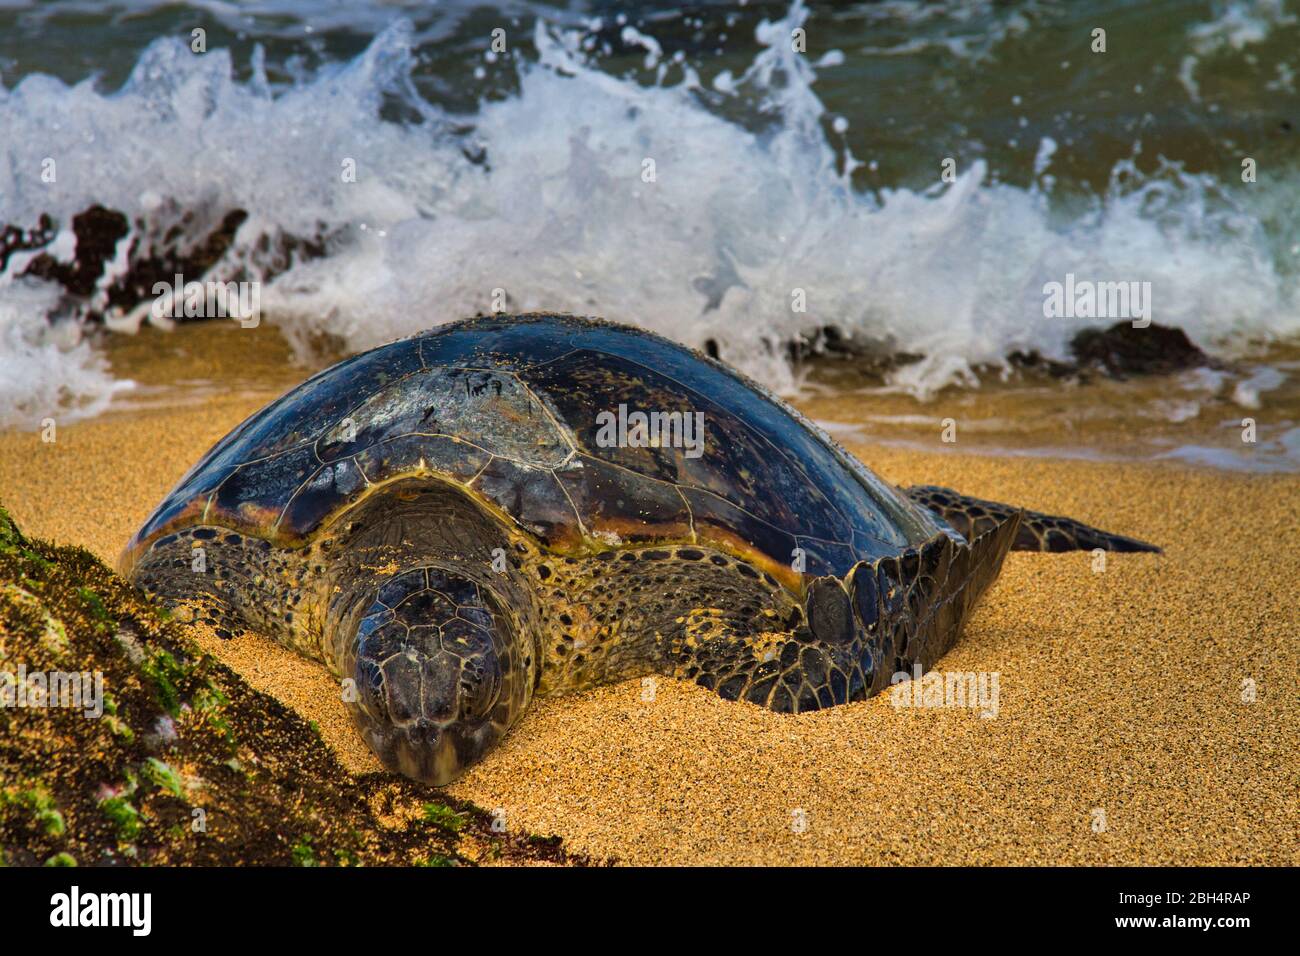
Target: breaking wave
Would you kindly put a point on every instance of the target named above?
(708, 210)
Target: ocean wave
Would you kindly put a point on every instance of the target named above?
(582, 191)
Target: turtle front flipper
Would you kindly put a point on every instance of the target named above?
(787, 671)
(1038, 532)
(439, 677)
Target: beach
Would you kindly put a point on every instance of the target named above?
(1147, 713)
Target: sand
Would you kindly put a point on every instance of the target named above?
(1124, 733)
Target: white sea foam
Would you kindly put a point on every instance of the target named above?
(559, 215)
(46, 371)
(1237, 26)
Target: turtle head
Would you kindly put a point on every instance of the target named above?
(438, 672)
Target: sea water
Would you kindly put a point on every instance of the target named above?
(761, 180)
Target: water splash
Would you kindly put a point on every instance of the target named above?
(544, 197)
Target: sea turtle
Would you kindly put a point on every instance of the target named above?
(520, 505)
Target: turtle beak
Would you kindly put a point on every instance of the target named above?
(422, 752)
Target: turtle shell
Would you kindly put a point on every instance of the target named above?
(524, 413)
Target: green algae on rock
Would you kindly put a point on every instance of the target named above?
(169, 757)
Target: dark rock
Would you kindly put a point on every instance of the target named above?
(174, 240)
(98, 231)
(15, 239)
(162, 261)
(1121, 350)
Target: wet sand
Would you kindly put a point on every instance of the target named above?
(1121, 734)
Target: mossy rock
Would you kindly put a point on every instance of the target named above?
(185, 763)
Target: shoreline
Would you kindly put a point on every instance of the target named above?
(1119, 692)
(1194, 417)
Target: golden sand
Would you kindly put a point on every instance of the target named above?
(1125, 732)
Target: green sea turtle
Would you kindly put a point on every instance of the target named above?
(513, 506)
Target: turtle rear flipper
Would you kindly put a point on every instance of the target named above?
(1038, 531)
